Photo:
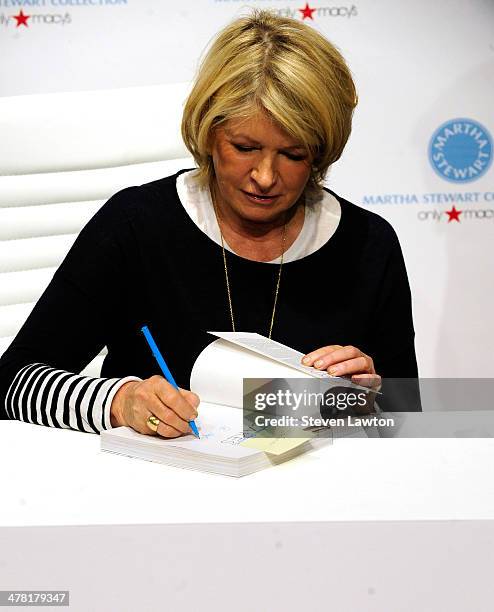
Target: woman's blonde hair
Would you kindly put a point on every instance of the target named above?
(282, 67)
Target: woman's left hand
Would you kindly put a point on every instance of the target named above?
(340, 360)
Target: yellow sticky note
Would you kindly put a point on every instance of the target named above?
(273, 446)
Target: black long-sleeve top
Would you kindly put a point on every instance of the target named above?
(141, 260)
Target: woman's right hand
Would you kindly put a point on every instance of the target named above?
(136, 401)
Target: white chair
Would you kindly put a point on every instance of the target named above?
(62, 156)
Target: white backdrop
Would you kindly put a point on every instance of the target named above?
(417, 65)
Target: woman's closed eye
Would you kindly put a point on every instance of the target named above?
(292, 156)
(244, 148)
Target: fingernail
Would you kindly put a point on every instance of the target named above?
(318, 363)
(334, 371)
(306, 360)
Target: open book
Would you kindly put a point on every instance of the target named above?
(217, 377)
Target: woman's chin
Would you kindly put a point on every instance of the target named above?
(259, 212)
(261, 215)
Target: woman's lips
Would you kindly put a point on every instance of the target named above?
(254, 197)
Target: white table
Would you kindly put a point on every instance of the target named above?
(302, 527)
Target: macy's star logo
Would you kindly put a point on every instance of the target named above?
(453, 214)
(307, 12)
(21, 19)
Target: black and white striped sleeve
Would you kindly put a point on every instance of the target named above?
(84, 308)
(47, 396)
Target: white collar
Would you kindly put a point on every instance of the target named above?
(322, 217)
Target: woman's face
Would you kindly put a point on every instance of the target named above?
(260, 171)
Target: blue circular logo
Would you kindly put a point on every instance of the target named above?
(460, 150)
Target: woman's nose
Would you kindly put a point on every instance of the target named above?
(264, 173)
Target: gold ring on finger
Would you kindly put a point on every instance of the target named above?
(152, 422)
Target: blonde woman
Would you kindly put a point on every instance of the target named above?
(249, 240)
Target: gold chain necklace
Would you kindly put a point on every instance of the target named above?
(227, 279)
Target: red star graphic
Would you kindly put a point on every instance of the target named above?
(307, 11)
(21, 19)
(454, 215)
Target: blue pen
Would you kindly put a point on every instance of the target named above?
(164, 368)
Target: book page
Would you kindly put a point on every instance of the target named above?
(273, 350)
(220, 429)
(218, 373)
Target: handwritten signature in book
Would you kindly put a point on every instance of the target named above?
(237, 438)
